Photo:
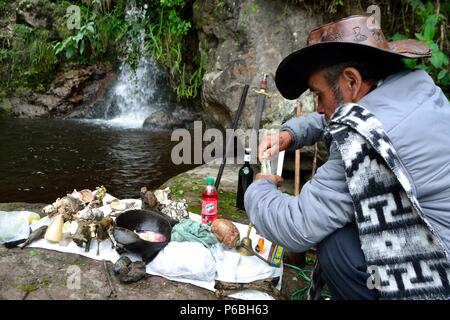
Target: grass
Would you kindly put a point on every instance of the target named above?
(35, 284)
(191, 190)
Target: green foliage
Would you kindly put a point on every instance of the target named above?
(77, 43)
(166, 41)
(99, 37)
(28, 62)
(101, 5)
(429, 30)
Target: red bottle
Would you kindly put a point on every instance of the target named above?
(209, 202)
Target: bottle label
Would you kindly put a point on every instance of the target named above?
(247, 157)
(209, 211)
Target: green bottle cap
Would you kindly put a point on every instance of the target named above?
(210, 180)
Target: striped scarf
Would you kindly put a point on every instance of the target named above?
(404, 255)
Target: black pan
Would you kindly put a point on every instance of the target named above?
(141, 220)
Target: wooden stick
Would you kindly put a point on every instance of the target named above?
(298, 113)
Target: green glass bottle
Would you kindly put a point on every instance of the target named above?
(245, 179)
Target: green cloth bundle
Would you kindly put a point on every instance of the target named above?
(192, 231)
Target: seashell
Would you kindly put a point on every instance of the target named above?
(70, 227)
(107, 199)
(68, 206)
(55, 229)
(106, 210)
(90, 214)
(163, 196)
(49, 210)
(95, 204)
(87, 195)
(176, 209)
(75, 194)
(132, 203)
(118, 205)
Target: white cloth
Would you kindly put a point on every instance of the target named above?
(14, 225)
(189, 260)
(230, 266)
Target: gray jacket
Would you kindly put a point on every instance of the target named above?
(416, 116)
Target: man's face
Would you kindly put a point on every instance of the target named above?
(327, 99)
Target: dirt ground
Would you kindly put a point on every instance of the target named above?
(43, 274)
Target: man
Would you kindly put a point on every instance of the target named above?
(347, 62)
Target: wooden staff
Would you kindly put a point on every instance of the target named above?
(298, 113)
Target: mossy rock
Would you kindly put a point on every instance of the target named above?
(36, 13)
(5, 105)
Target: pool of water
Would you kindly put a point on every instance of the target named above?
(41, 160)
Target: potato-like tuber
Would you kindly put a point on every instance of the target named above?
(226, 232)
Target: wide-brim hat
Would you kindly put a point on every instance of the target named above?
(352, 38)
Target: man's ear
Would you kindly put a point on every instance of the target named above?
(352, 83)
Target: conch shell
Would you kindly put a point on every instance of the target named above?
(55, 229)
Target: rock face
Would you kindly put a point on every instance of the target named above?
(245, 40)
(161, 120)
(165, 120)
(36, 13)
(73, 92)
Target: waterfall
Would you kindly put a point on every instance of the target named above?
(136, 93)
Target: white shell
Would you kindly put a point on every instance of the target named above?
(70, 227)
(54, 230)
(49, 210)
(163, 196)
(176, 209)
(107, 199)
(88, 214)
(118, 205)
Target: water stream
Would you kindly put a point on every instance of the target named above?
(41, 160)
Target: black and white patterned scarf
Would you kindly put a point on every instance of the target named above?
(398, 242)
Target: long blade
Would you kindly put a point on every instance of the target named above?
(258, 116)
(235, 124)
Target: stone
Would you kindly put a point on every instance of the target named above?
(5, 105)
(246, 40)
(36, 13)
(162, 120)
(72, 93)
(48, 100)
(135, 271)
(121, 264)
(23, 109)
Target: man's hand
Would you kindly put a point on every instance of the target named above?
(277, 179)
(272, 144)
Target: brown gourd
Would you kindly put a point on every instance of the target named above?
(226, 232)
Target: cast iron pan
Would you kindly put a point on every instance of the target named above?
(141, 220)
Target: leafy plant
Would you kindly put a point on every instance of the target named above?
(28, 63)
(166, 41)
(432, 20)
(77, 43)
(99, 36)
